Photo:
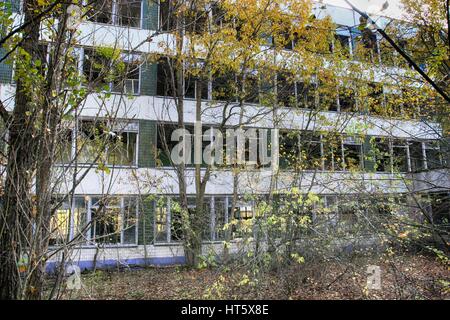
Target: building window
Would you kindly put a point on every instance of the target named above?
(68, 221)
(122, 144)
(219, 15)
(130, 217)
(289, 150)
(129, 13)
(169, 224)
(220, 218)
(176, 223)
(286, 88)
(310, 151)
(328, 96)
(365, 45)
(165, 144)
(352, 153)
(101, 11)
(90, 140)
(347, 101)
(224, 87)
(306, 95)
(166, 82)
(375, 98)
(120, 76)
(196, 19)
(342, 44)
(400, 155)
(332, 152)
(416, 156)
(129, 76)
(190, 86)
(167, 18)
(106, 220)
(242, 218)
(125, 13)
(388, 55)
(285, 39)
(204, 221)
(118, 142)
(370, 42)
(433, 155)
(65, 153)
(382, 154)
(250, 88)
(217, 213)
(342, 41)
(114, 220)
(122, 148)
(96, 68)
(161, 220)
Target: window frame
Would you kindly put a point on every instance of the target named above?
(89, 207)
(111, 84)
(404, 145)
(213, 232)
(352, 141)
(428, 145)
(115, 17)
(122, 127)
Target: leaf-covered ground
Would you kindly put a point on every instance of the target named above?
(405, 277)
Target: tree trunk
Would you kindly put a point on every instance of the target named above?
(45, 158)
(197, 219)
(17, 207)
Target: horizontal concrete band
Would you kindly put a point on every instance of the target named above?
(52, 267)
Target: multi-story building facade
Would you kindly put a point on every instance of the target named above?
(141, 183)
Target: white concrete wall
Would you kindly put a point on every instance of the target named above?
(163, 109)
(127, 256)
(164, 181)
(432, 180)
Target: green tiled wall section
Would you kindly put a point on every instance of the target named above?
(12, 5)
(369, 158)
(151, 10)
(2, 138)
(147, 143)
(5, 69)
(145, 225)
(148, 79)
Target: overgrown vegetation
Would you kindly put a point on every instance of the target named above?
(403, 276)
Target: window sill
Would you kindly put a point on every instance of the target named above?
(103, 24)
(124, 93)
(167, 244)
(180, 243)
(109, 91)
(93, 246)
(87, 165)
